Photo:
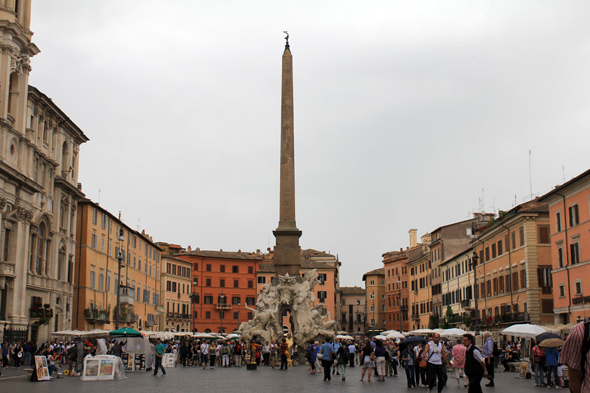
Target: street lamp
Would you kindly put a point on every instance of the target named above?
(399, 301)
(222, 306)
(194, 296)
(120, 238)
(474, 260)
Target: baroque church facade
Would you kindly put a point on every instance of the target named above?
(39, 157)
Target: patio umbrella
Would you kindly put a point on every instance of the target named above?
(551, 342)
(395, 334)
(414, 340)
(380, 337)
(125, 332)
(423, 331)
(452, 333)
(547, 336)
(523, 330)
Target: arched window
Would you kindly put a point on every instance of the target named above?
(40, 252)
(64, 158)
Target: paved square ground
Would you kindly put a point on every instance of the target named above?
(234, 379)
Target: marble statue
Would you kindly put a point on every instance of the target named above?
(291, 294)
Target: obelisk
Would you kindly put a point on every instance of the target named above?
(287, 252)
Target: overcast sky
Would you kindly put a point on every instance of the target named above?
(407, 114)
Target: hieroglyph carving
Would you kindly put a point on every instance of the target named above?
(296, 297)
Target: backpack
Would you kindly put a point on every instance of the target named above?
(495, 351)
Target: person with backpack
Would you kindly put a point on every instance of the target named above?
(488, 353)
(238, 354)
(409, 360)
(342, 354)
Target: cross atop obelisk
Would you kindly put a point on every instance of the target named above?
(287, 252)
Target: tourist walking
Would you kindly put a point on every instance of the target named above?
(205, 353)
(551, 360)
(327, 355)
(475, 367)
(409, 359)
(393, 361)
(420, 366)
(352, 353)
(335, 347)
(488, 353)
(283, 352)
(368, 360)
(434, 354)
(159, 351)
(458, 352)
(311, 356)
(342, 355)
(380, 360)
(538, 364)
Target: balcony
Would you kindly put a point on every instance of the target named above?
(466, 304)
(150, 323)
(222, 306)
(415, 317)
(126, 295)
(97, 316)
(7, 269)
(175, 315)
(404, 308)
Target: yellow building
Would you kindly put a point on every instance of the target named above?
(100, 235)
(175, 291)
(457, 290)
(375, 301)
(420, 298)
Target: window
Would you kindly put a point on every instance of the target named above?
(558, 221)
(95, 216)
(222, 283)
(236, 283)
(515, 281)
(501, 284)
(250, 284)
(103, 224)
(487, 254)
(250, 270)
(92, 279)
(372, 282)
(545, 282)
(575, 253)
(561, 290)
(543, 234)
(523, 278)
(559, 256)
(94, 240)
(574, 216)
(373, 295)
(222, 268)
(508, 283)
(578, 287)
(208, 299)
(101, 282)
(494, 250)
(208, 267)
(208, 282)
(236, 300)
(322, 295)
(235, 269)
(250, 301)
(500, 249)
(196, 267)
(207, 314)
(322, 278)
(513, 240)
(261, 280)
(521, 235)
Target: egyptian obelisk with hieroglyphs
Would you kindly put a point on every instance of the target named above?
(287, 252)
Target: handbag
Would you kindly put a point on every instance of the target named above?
(372, 356)
(320, 355)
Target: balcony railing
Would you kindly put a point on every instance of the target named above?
(466, 304)
(127, 294)
(415, 317)
(7, 269)
(222, 306)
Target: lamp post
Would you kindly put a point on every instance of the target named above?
(399, 301)
(120, 238)
(222, 306)
(194, 296)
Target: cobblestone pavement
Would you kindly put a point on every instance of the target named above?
(264, 379)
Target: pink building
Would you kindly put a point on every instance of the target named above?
(569, 216)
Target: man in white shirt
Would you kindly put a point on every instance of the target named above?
(351, 350)
(205, 353)
(475, 367)
(434, 354)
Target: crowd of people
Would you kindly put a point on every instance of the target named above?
(426, 364)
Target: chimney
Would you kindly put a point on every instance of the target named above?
(413, 237)
(189, 249)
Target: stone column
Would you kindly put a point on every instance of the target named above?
(287, 252)
(17, 297)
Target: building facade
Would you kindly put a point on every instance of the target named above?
(176, 288)
(569, 219)
(102, 239)
(375, 301)
(223, 286)
(352, 310)
(457, 290)
(39, 152)
(419, 297)
(514, 267)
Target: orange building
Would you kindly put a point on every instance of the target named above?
(514, 268)
(327, 292)
(419, 298)
(97, 249)
(569, 218)
(223, 283)
(375, 301)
